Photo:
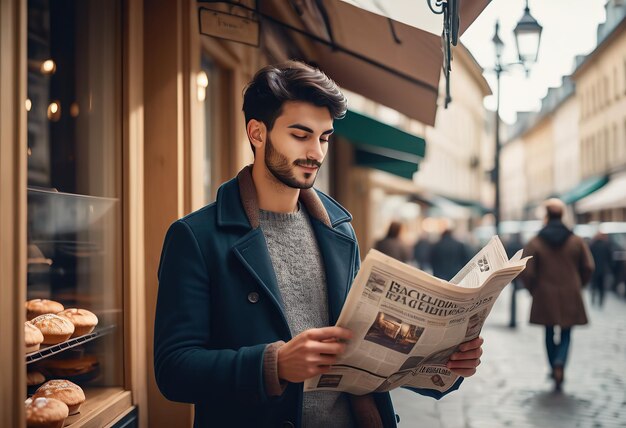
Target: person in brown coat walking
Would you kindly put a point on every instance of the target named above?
(561, 265)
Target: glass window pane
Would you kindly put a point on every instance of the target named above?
(74, 183)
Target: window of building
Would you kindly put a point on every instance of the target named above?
(614, 157)
(74, 188)
(625, 76)
(616, 90)
(581, 161)
(208, 96)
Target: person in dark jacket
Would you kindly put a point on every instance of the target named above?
(392, 244)
(251, 286)
(512, 245)
(448, 256)
(560, 266)
(602, 256)
(421, 253)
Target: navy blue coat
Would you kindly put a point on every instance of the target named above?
(219, 306)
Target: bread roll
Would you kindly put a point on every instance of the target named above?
(37, 307)
(84, 321)
(69, 367)
(44, 412)
(55, 329)
(64, 390)
(34, 378)
(32, 337)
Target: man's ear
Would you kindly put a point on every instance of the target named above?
(257, 133)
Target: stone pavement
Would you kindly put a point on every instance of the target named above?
(512, 388)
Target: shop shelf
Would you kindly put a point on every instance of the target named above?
(68, 344)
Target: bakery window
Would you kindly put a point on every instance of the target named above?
(74, 336)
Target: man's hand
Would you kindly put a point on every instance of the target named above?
(467, 358)
(311, 353)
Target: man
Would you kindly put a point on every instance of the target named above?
(560, 266)
(448, 256)
(602, 253)
(249, 285)
(512, 245)
(421, 252)
(392, 244)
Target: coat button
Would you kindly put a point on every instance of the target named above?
(253, 297)
(288, 424)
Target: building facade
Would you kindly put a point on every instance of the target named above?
(601, 95)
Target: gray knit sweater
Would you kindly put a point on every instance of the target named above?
(300, 274)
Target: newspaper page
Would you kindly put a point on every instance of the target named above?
(406, 323)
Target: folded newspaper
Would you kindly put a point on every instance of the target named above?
(406, 323)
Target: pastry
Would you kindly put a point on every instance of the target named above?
(34, 378)
(84, 321)
(55, 329)
(64, 390)
(45, 413)
(69, 367)
(37, 307)
(32, 337)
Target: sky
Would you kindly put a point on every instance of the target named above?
(569, 29)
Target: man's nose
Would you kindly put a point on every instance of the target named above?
(315, 151)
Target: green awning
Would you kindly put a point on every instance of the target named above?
(383, 163)
(381, 146)
(475, 206)
(584, 188)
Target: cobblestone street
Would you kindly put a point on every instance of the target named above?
(512, 388)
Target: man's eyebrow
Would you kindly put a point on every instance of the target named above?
(309, 130)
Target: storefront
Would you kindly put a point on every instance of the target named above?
(112, 113)
(68, 200)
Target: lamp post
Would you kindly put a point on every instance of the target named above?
(527, 38)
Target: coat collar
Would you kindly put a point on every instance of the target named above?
(237, 204)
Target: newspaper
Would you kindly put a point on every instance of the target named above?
(406, 323)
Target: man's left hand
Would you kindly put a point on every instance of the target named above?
(465, 360)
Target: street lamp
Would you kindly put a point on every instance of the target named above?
(527, 38)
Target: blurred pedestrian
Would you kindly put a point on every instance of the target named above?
(560, 266)
(513, 245)
(601, 250)
(448, 256)
(421, 252)
(392, 244)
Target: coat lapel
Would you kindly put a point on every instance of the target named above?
(251, 250)
(338, 251)
(238, 207)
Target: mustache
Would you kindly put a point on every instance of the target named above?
(308, 163)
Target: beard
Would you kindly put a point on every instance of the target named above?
(283, 170)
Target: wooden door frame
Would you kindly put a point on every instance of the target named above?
(13, 154)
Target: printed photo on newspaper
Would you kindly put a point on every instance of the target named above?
(406, 323)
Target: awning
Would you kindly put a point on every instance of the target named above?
(443, 206)
(476, 206)
(613, 195)
(381, 146)
(583, 189)
(387, 61)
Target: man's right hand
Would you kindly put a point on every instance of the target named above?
(311, 353)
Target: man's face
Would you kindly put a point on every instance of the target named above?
(298, 143)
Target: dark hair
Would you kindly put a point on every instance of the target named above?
(272, 85)
(394, 229)
(554, 213)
